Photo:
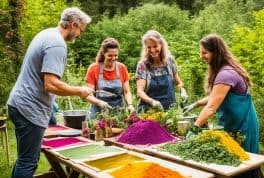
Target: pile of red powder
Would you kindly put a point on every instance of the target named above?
(145, 132)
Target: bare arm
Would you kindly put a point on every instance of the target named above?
(91, 98)
(53, 84)
(178, 81)
(202, 101)
(215, 99)
(141, 84)
(127, 93)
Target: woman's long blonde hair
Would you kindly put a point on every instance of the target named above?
(108, 43)
(221, 56)
(156, 37)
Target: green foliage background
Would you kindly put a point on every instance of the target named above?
(248, 45)
(39, 14)
(182, 24)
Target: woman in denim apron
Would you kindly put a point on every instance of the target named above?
(109, 78)
(229, 96)
(157, 74)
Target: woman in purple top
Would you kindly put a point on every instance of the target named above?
(227, 87)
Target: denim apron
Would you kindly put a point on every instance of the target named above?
(237, 113)
(113, 86)
(160, 88)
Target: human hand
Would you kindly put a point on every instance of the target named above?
(189, 108)
(130, 108)
(156, 104)
(86, 91)
(193, 131)
(104, 105)
(184, 95)
(189, 134)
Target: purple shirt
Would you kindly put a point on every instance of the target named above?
(227, 75)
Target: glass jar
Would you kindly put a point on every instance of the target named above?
(99, 134)
(59, 118)
(85, 129)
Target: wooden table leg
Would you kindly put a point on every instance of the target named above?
(56, 166)
(73, 174)
(50, 174)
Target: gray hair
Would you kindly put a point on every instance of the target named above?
(74, 14)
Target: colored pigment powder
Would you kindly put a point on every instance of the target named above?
(145, 170)
(145, 132)
(56, 128)
(87, 151)
(61, 142)
(113, 162)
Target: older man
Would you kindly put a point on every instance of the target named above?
(29, 104)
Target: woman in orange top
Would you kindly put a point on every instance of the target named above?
(106, 74)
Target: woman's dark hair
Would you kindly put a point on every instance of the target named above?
(108, 43)
(221, 56)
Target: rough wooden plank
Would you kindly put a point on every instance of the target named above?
(78, 168)
(49, 174)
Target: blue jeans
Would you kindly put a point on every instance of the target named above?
(29, 138)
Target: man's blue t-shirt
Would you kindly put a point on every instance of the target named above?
(47, 53)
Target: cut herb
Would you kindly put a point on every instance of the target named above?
(205, 147)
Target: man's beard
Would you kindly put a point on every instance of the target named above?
(71, 37)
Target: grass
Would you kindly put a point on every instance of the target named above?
(5, 169)
(43, 166)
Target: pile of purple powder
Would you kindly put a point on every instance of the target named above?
(145, 132)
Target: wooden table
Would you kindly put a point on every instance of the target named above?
(74, 169)
(220, 171)
(112, 141)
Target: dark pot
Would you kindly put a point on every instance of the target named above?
(74, 118)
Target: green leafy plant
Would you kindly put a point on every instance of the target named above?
(173, 115)
(115, 117)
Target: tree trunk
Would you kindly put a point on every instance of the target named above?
(15, 42)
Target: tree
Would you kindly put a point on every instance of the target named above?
(248, 45)
(129, 30)
(38, 15)
(11, 45)
(222, 16)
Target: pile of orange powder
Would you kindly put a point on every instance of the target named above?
(145, 170)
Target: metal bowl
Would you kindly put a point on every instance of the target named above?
(190, 118)
(215, 127)
(183, 127)
(74, 118)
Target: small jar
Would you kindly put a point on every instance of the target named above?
(183, 127)
(85, 129)
(108, 132)
(59, 118)
(99, 134)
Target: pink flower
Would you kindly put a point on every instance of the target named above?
(101, 124)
